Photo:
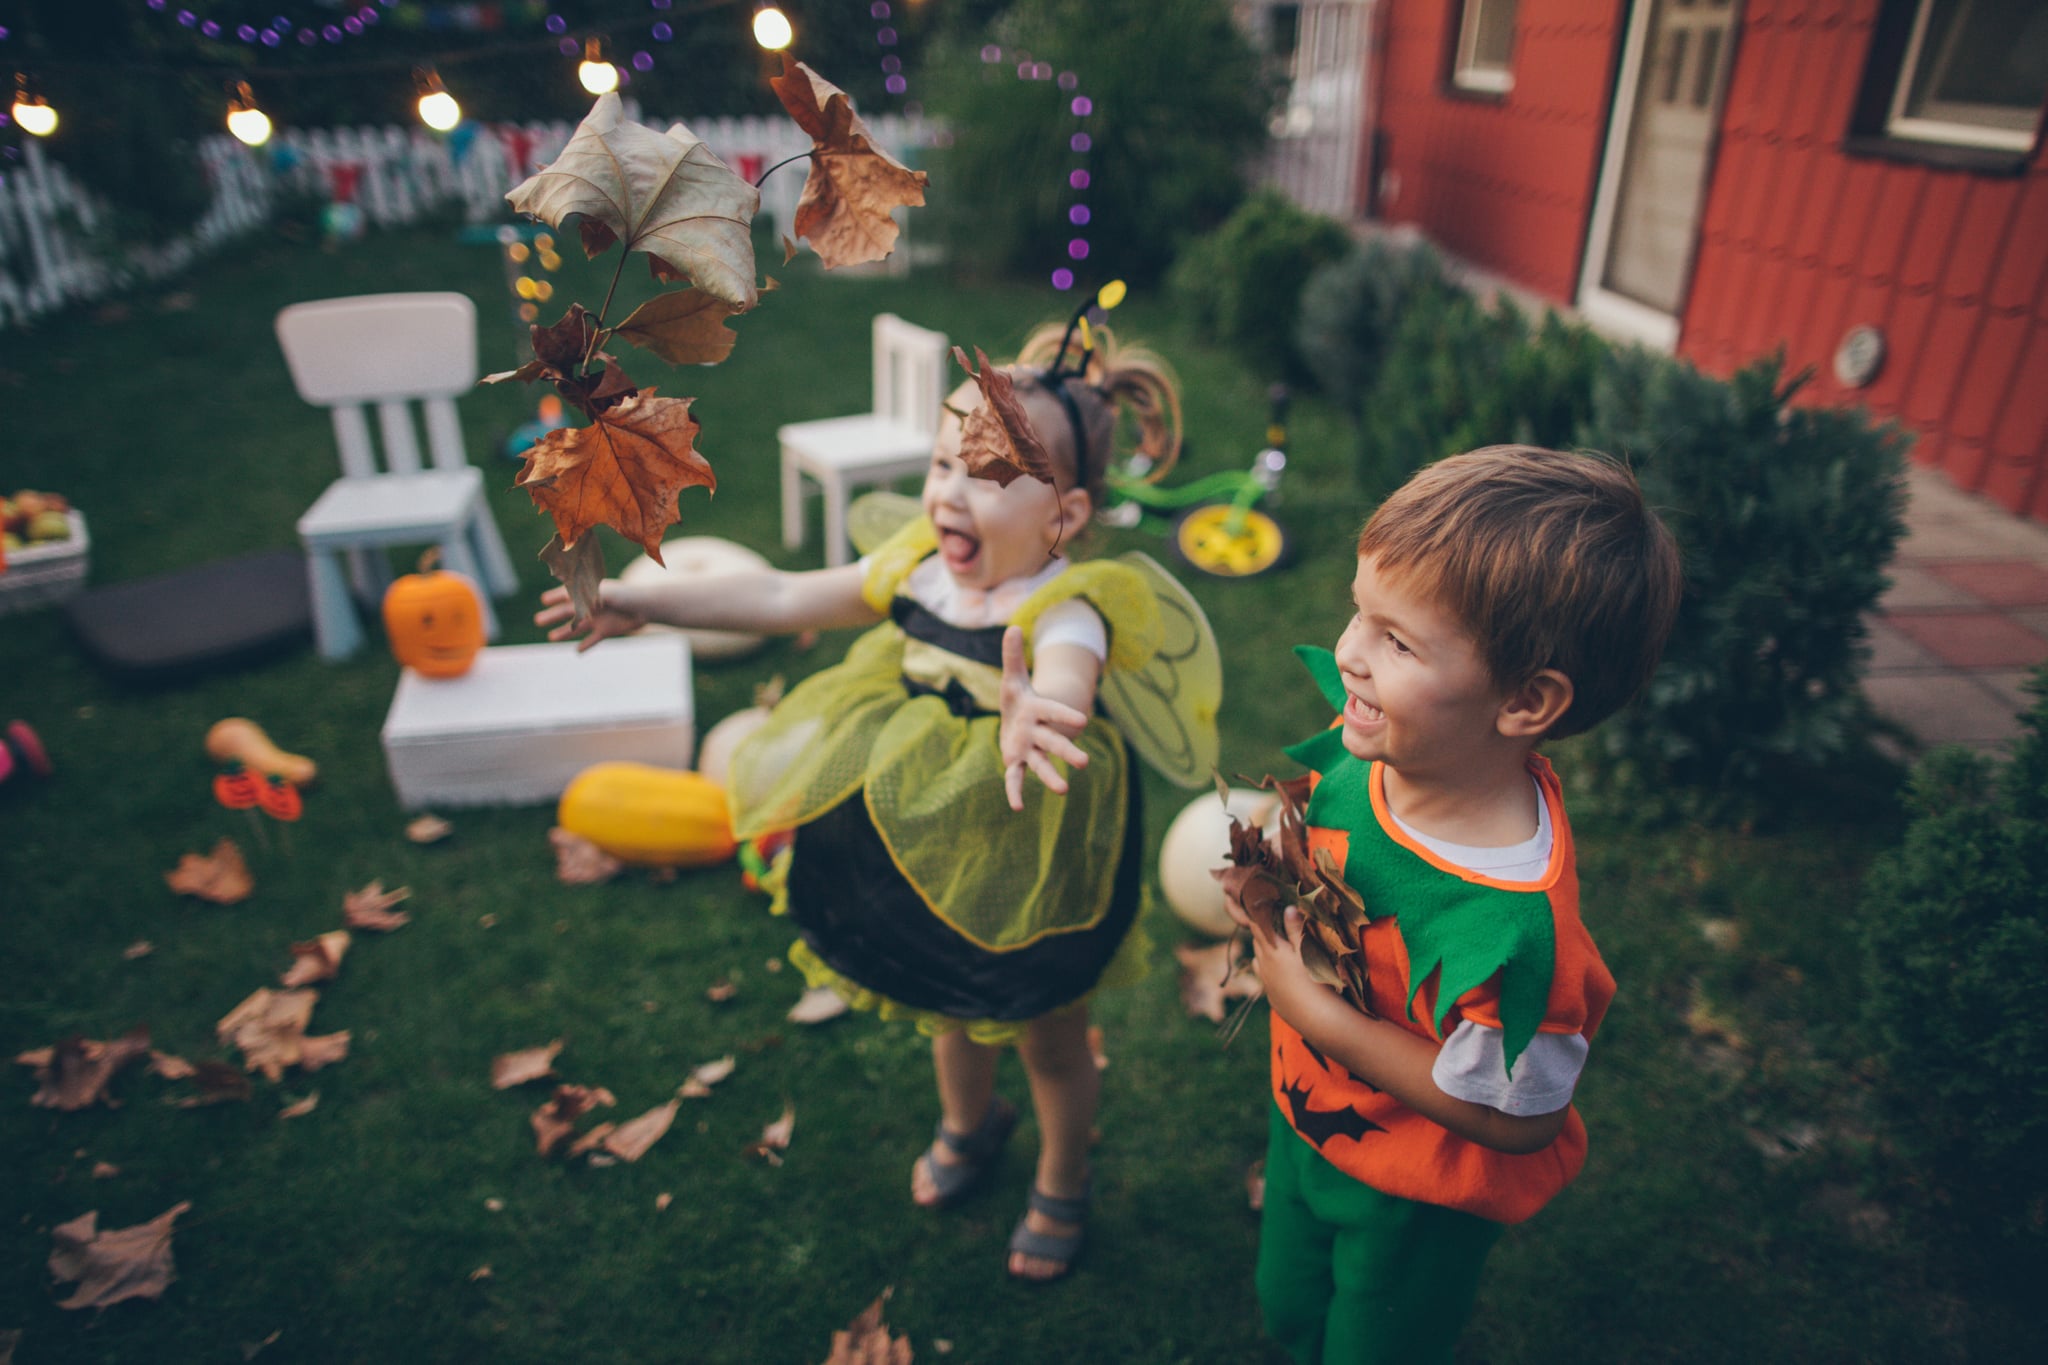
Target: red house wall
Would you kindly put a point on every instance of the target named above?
(1800, 242)
(1506, 182)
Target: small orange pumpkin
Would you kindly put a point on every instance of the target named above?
(434, 620)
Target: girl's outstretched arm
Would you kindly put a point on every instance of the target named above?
(1042, 712)
(765, 601)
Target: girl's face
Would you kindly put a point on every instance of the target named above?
(990, 533)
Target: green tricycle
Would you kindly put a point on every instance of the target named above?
(1214, 524)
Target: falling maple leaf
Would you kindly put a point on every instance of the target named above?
(817, 1005)
(631, 1139)
(528, 1064)
(844, 211)
(775, 1137)
(997, 440)
(119, 1263)
(221, 876)
(74, 1073)
(661, 193)
(866, 1340)
(556, 1119)
(1210, 975)
(580, 569)
(578, 862)
(624, 470)
(269, 1027)
(683, 328)
(317, 959)
(701, 1079)
(370, 908)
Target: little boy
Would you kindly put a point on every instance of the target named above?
(1502, 597)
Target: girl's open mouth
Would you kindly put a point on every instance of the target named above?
(958, 549)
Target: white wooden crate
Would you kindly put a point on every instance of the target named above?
(527, 718)
(40, 574)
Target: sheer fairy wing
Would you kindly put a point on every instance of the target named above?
(1167, 709)
(873, 517)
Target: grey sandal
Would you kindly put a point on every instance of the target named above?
(1047, 1246)
(977, 1151)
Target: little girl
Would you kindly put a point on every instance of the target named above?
(928, 879)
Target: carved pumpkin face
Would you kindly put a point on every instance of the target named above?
(435, 622)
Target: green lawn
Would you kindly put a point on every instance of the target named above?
(1738, 1204)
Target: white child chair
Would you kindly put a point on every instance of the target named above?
(893, 440)
(390, 352)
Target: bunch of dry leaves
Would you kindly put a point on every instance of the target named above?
(1265, 876)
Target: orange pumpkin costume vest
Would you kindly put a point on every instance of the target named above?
(1442, 945)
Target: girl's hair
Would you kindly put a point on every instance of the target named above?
(1121, 388)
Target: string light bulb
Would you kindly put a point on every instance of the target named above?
(248, 123)
(771, 27)
(31, 110)
(438, 109)
(599, 76)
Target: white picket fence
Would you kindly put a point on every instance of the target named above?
(52, 255)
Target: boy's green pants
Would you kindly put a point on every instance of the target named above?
(1348, 1275)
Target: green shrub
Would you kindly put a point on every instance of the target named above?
(1352, 308)
(1179, 103)
(1242, 284)
(1955, 926)
(1786, 517)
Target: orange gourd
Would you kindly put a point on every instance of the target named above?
(434, 620)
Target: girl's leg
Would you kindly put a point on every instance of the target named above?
(1065, 1088)
(966, 1072)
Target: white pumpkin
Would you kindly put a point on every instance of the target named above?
(700, 557)
(1198, 841)
(714, 755)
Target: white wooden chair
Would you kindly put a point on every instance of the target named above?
(893, 440)
(390, 352)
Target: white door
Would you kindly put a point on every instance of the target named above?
(1653, 180)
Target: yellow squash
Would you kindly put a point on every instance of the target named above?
(655, 817)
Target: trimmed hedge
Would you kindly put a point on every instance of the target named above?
(1242, 284)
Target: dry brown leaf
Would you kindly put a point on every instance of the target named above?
(789, 249)
(317, 959)
(661, 193)
(720, 991)
(252, 1349)
(578, 862)
(663, 1200)
(428, 829)
(700, 1081)
(817, 1005)
(325, 1050)
(625, 470)
(528, 1064)
(556, 1119)
(591, 1139)
(270, 1030)
(844, 211)
(1209, 975)
(298, 1109)
(120, 1263)
(370, 908)
(482, 1272)
(631, 1139)
(216, 1082)
(775, 1137)
(997, 440)
(1255, 1184)
(579, 568)
(104, 1170)
(75, 1072)
(866, 1340)
(171, 1068)
(142, 947)
(220, 876)
(683, 327)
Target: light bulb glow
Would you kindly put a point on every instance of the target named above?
(598, 78)
(251, 126)
(439, 111)
(35, 116)
(771, 28)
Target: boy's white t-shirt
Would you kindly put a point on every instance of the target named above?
(1072, 622)
(1472, 1064)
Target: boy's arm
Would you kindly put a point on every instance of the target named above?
(1382, 1053)
(765, 600)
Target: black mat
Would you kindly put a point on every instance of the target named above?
(226, 614)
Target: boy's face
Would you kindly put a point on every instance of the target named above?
(1420, 697)
(989, 533)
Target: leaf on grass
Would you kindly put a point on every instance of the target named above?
(844, 211)
(104, 1170)
(1210, 975)
(316, 959)
(428, 829)
(370, 908)
(721, 990)
(663, 1200)
(556, 1119)
(578, 862)
(775, 1137)
(169, 1066)
(698, 1085)
(528, 1064)
(119, 1263)
(817, 1005)
(625, 470)
(142, 947)
(997, 440)
(218, 1083)
(685, 327)
(866, 1340)
(1255, 1184)
(298, 1109)
(270, 1030)
(661, 193)
(631, 1139)
(220, 876)
(75, 1072)
(580, 569)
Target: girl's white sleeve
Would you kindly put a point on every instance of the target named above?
(1072, 622)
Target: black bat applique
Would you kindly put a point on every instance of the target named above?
(1324, 1063)
(1319, 1127)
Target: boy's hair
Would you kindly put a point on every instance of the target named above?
(1549, 559)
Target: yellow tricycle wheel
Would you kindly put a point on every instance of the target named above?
(1206, 541)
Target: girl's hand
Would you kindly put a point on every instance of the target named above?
(559, 613)
(1035, 729)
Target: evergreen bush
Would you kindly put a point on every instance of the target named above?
(1242, 284)
(1955, 927)
(1351, 309)
(1786, 517)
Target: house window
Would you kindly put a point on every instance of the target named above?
(1974, 74)
(1486, 38)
